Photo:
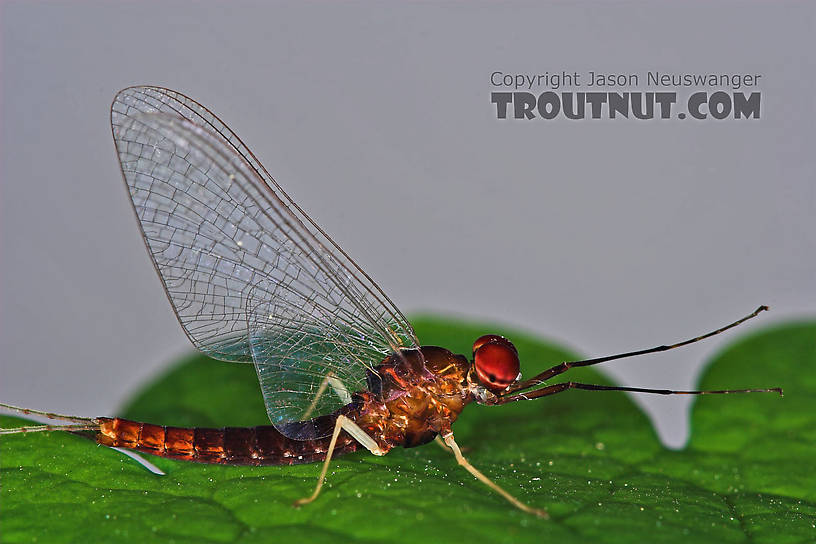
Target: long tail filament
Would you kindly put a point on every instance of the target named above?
(79, 423)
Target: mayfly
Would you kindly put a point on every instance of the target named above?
(253, 279)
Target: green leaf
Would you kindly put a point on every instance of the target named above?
(592, 459)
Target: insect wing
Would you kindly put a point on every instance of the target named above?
(249, 275)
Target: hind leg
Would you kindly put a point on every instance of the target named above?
(343, 424)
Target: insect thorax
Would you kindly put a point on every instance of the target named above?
(423, 392)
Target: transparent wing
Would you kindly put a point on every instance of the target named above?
(250, 276)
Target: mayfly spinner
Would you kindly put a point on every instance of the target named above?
(254, 279)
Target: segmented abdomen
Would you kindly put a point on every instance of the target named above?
(262, 445)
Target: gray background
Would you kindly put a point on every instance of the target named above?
(605, 236)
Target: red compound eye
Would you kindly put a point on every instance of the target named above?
(494, 338)
(497, 364)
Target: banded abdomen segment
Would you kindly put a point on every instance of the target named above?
(262, 445)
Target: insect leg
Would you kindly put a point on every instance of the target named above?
(320, 391)
(448, 438)
(343, 424)
(339, 389)
(441, 444)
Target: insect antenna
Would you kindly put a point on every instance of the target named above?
(80, 423)
(563, 367)
(561, 387)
